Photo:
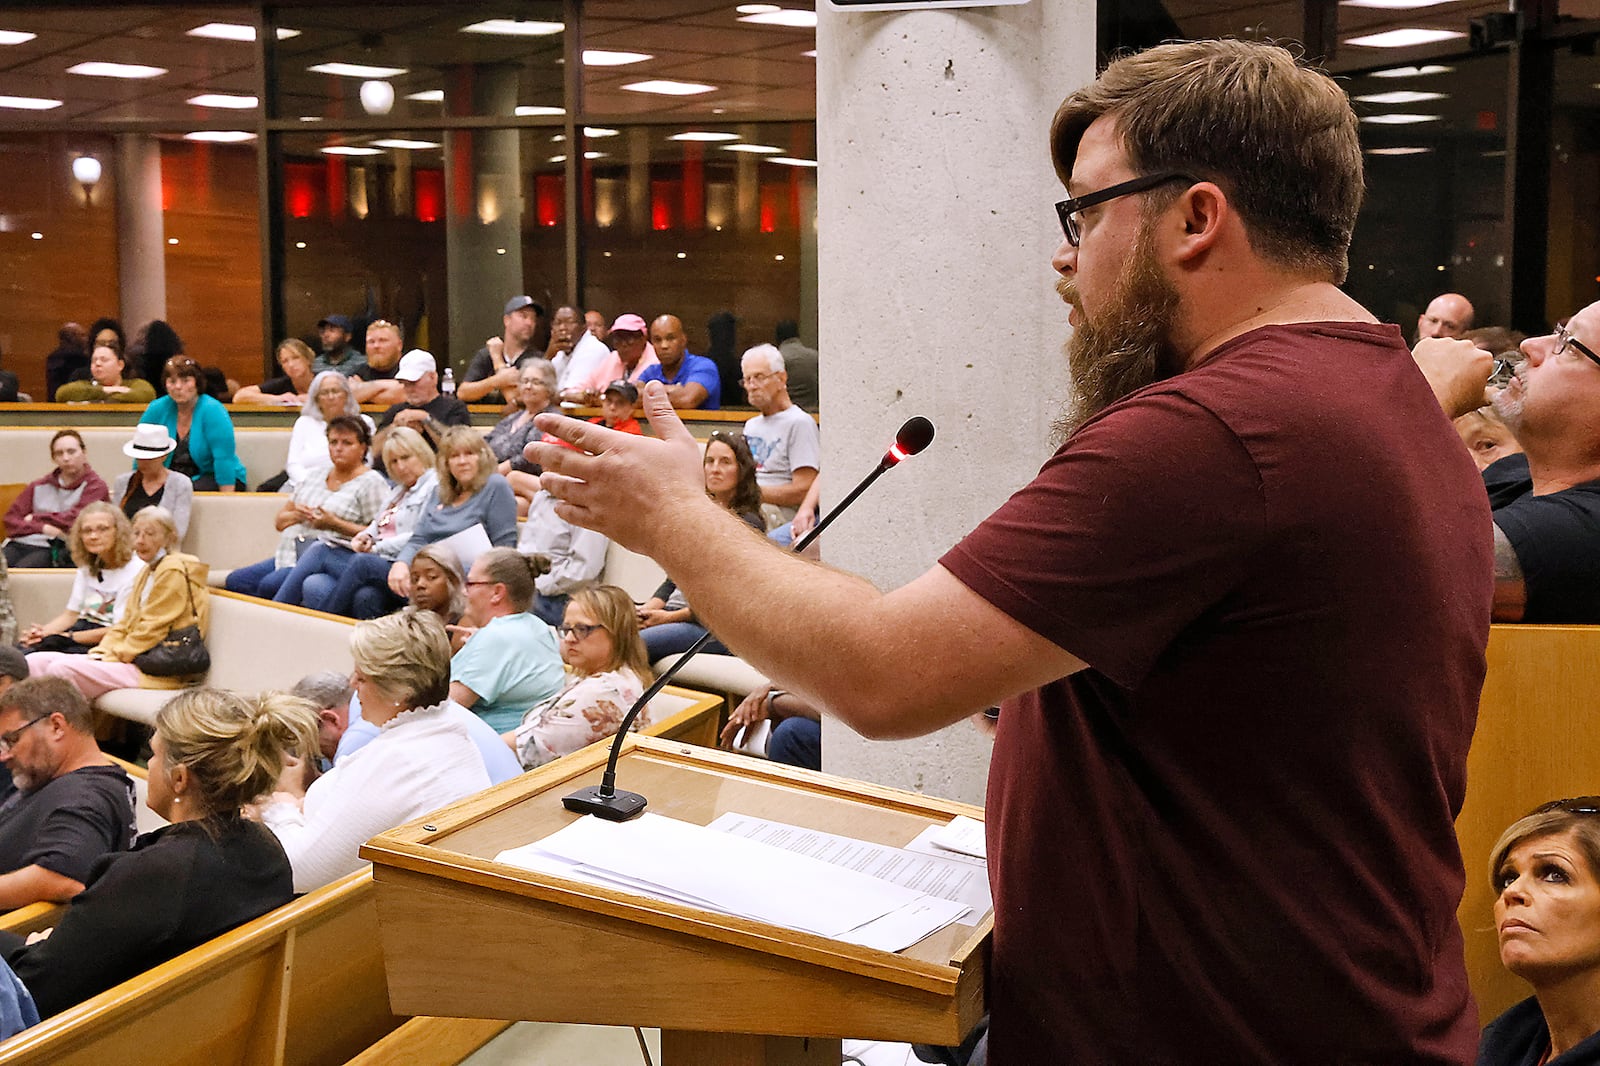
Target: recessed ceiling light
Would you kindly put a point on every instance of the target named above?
(1393, 5)
(28, 103)
(1409, 37)
(790, 17)
(235, 31)
(1398, 151)
(172, 240)
(16, 37)
(427, 96)
(401, 142)
(228, 100)
(220, 136)
(811, 54)
(756, 9)
(664, 87)
(39, 237)
(116, 70)
(537, 110)
(558, 159)
(310, 118)
(516, 27)
(357, 70)
(1400, 96)
(599, 131)
(759, 149)
(350, 149)
(1399, 120)
(791, 161)
(594, 155)
(703, 135)
(1412, 72)
(600, 57)
(283, 33)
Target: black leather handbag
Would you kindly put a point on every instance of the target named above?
(182, 652)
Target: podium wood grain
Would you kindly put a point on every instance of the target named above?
(464, 936)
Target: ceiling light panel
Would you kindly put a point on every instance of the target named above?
(1393, 5)
(538, 111)
(1398, 151)
(401, 142)
(789, 18)
(350, 149)
(357, 70)
(28, 103)
(515, 27)
(1412, 72)
(756, 149)
(605, 57)
(427, 96)
(662, 87)
(1400, 120)
(220, 136)
(703, 135)
(15, 37)
(1400, 96)
(1410, 37)
(224, 100)
(116, 70)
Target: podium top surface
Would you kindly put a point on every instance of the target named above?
(458, 844)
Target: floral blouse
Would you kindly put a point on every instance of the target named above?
(587, 710)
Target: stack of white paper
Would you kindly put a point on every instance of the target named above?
(665, 858)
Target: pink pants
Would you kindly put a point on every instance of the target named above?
(93, 677)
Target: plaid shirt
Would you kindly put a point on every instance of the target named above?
(358, 500)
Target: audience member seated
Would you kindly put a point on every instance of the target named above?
(576, 556)
(1447, 315)
(536, 393)
(13, 666)
(376, 379)
(38, 519)
(796, 737)
(293, 387)
(617, 403)
(491, 375)
(201, 426)
(330, 508)
(438, 585)
(153, 346)
(425, 409)
(70, 355)
(107, 333)
(333, 335)
(668, 623)
(329, 694)
(577, 355)
(150, 483)
(169, 593)
(600, 643)
(801, 363)
(691, 380)
(330, 396)
(101, 542)
(783, 439)
(421, 760)
(353, 580)
(469, 494)
(631, 357)
(107, 382)
(64, 804)
(1545, 870)
(207, 872)
(1487, 437)
(510, 661)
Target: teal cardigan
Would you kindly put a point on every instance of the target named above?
(210, 437)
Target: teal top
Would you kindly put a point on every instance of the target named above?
(210, 437)
(512, 664)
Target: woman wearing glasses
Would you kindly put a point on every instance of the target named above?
(600, 645)
(101, 542)
(200, 425)
(1546, 869)
(213, 752)
(730, 472)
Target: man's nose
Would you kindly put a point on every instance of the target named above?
(1065, 260)
(1536, 348)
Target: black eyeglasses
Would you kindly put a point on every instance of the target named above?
(576, 630)
(9, 740)
(1575, 805)
(1565, 340)
(1067, 210)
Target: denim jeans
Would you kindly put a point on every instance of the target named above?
(261, 579)
(796, 742)
(672, 638)
(361, 589)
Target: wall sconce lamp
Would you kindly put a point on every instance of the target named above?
(86, 171)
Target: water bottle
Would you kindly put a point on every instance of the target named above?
(448, 387)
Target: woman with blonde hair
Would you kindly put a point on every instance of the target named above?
(213, 752)
(101, 542)
(422, 759)
(168, 594)
(293, 386)
(470, 494)
(600, 643)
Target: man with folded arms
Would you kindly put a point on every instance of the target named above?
(424, 409)
(1237, 684)
(691, 380)
(65, 804)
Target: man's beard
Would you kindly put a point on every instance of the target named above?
(1127, 345)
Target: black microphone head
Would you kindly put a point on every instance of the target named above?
(915, 435)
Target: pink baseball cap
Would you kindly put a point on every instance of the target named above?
(629, 322)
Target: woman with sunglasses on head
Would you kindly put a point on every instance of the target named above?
(730, 472)
(1546, 871)
(200, 425)
(600, 645)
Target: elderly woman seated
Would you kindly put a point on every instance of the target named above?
(150, 483)
(1546, 869)
(168, 594)
(207, 872)
(422, 759)
(600, 644)
(101, 542)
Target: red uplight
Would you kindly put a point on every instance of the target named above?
(428, 192)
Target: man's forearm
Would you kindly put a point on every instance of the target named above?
(35, 884)
(788, 494)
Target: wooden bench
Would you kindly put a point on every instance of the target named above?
(25, 450)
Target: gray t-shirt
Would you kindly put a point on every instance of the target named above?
(781, 444)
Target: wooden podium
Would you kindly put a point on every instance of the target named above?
(464, 936)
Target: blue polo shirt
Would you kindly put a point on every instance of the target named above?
(694, 368)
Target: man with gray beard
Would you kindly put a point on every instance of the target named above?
(1237, 621)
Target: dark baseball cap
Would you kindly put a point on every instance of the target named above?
(517, 303)
(624, 388)
(342, 321)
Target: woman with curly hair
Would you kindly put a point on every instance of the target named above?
(101, 543)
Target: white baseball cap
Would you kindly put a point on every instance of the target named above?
(416, 363)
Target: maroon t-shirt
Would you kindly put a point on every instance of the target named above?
(1231, 839)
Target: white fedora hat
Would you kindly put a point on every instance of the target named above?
(150, 441)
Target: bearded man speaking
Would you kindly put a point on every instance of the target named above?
(1237, 621)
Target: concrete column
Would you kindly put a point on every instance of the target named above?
(141, 237)
(483, 220)
(936, 295)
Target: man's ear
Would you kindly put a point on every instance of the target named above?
(1204, 212)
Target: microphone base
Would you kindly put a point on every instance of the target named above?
(617, 807)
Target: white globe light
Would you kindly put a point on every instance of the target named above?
(377, 97)
(86, 170)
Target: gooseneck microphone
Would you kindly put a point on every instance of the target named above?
(605, 800)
